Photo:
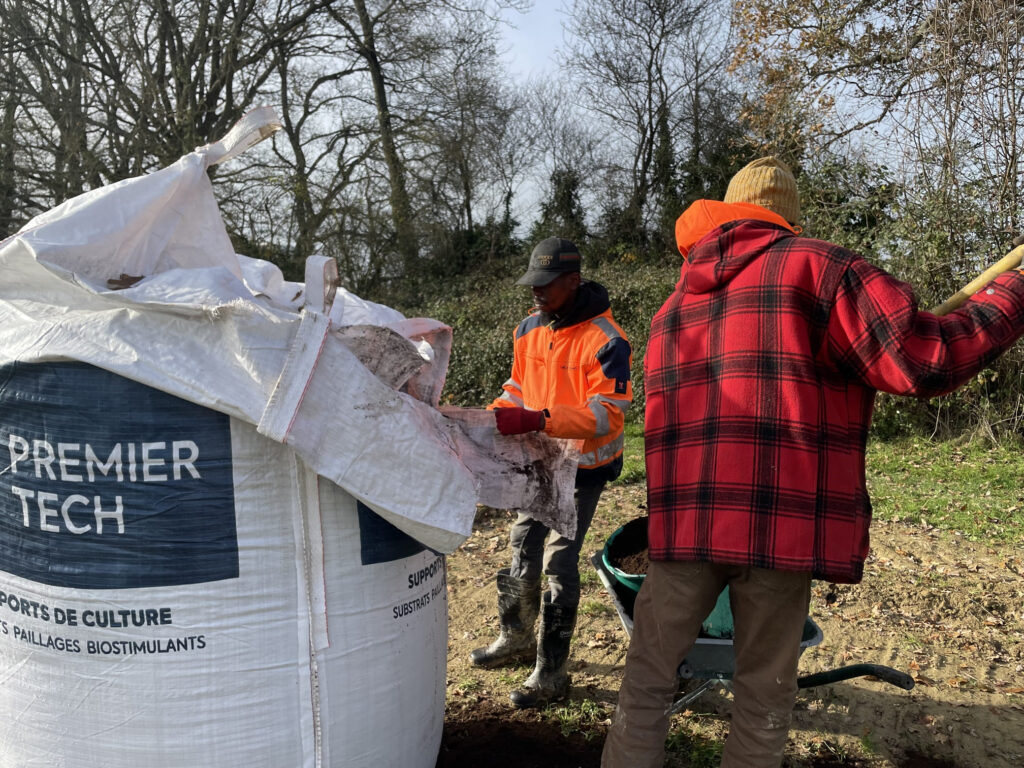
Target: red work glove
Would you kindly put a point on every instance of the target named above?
(516, 421)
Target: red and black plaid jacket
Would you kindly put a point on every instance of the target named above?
(761, 372)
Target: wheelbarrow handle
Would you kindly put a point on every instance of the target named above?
(883, 673)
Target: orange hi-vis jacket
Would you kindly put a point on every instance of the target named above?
(577, 369)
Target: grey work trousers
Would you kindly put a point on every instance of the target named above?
(536, 549)
(769, 610)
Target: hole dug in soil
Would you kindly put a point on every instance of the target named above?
(494, 735)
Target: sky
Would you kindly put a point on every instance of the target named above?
(532, 45)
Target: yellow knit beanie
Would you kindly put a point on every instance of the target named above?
(767, 182)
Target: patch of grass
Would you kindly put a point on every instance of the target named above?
(579, 717)
(823, 746)
(698, 750)
(594, 608)
(469, 684)
(867, 743)
(967, 487)
(912, 641)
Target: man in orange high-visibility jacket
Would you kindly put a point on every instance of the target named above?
(570, 379)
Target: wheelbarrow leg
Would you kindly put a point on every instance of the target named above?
(691, 696)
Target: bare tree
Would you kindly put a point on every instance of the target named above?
(624, 57)
(397, 120)
(934, 87)
(110, 88)
(368, 35)
(427, 63)
(8, 146)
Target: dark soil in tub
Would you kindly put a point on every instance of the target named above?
(628, 550)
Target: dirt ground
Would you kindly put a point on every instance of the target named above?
(948, 611)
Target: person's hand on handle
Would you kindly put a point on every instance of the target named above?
(518, 421)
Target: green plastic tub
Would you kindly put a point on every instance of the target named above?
(630, 539)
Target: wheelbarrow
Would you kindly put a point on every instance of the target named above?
(711, 661)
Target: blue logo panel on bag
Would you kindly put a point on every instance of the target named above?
(106, 483)
(380, 541)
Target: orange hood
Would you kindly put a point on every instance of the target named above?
(705, 216)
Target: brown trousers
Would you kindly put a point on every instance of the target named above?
(769, 609)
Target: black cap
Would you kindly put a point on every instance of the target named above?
(552, 257)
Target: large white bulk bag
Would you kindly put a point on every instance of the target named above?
(177, 590)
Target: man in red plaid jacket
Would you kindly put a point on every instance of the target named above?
(761, 372)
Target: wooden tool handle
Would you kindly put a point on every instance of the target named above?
(1008, 262)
